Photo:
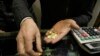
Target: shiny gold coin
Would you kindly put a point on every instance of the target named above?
(52, 35)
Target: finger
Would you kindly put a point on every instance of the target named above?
(23, 54)
(48, 37)
(28, 44)
(47, 40)
(33, 53)
(38, 42)
(60, 36)
(20, 44)
(75, 26)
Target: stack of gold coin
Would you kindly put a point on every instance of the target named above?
(52, 35)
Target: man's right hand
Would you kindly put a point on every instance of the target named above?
(28, 34)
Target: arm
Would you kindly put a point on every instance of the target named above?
(21, 10)
(61, 28)
(28, 32)
(86, 13)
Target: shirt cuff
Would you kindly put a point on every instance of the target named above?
(25, 19)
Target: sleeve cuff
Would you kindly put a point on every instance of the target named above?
(25, 19)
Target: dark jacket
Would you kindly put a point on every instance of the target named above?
(8, 21)
(55, 10)
(6, 15)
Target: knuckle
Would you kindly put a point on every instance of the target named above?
(19, 39)
(28, 50)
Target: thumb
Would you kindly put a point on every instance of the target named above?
(38, 42)
(74, 25)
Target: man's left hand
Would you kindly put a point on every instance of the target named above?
(59, 30)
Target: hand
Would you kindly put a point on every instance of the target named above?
(59, 30)
(28, 34)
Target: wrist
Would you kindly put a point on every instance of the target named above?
(70, 21)
(26, 19)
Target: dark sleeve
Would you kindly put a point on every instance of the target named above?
(86, 13)
(21, 9)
